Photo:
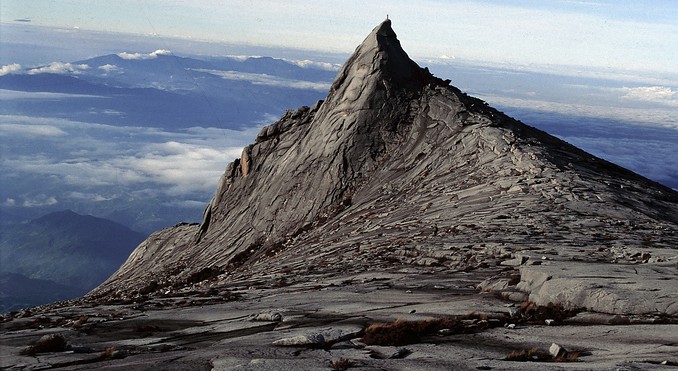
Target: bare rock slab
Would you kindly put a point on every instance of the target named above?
(647, 289)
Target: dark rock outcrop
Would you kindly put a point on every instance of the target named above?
(398, 168)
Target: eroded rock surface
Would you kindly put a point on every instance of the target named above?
(396, 198)
(324, 322)
(398, 168)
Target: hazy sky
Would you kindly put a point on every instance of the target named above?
(621, 35)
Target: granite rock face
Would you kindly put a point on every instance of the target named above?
(398, 168)
(399, 204)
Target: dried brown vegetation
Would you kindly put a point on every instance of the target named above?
(532, 313)
(540, 355)
(47, 343)
(528, 355)
(108, 353)
(341, 364)
(568, 357)
(403, 332)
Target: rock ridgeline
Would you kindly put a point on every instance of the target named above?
(396, 168)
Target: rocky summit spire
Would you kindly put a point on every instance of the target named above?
(378, 63)
(398, 169)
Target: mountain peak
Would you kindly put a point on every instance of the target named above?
(379, 62)
(398, 168)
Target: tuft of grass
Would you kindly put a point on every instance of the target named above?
(568, 357)
(112, 353)
(107, 353)
(81, 321)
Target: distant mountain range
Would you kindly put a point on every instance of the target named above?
(163, 90)
(18, 291)
(59, 256)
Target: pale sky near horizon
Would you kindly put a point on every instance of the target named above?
(621, 35)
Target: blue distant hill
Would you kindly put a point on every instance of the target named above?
(73, 252)
(169, 92)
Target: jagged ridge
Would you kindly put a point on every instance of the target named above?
(398, 167)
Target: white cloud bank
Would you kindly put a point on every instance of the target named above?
(137, 56)
(40, 200)
(10, 68)
(265, 79)
(9, 129)
(99, 157)
(655, 94)
(109, 68)
(59, 68)
(305, 63)
(645, 116)
(6, 94)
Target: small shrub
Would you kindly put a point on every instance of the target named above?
(539, 355)
(81, 321)
(341, 364)
(533, 313)
(47, 343)
(396, 333)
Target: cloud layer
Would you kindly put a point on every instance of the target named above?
(10, 68)
(655, 94)
(136, 56)
(265, 79)
(96, 162)
(59, 68)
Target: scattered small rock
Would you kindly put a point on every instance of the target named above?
(517, 261)
(557, 351)
(444, 332)
(301, 340)
(268, 316)
(400, 353)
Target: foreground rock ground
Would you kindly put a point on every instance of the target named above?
(319, 323)
(399, 224)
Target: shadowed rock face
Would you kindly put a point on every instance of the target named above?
(396, 168)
